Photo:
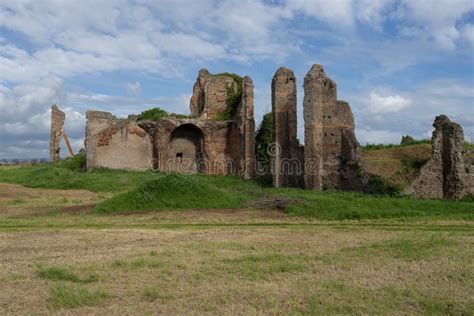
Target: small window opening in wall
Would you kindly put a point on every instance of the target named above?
(179, 156)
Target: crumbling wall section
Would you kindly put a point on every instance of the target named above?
(245, 125)
(57, 123)
(331, 148)
(116, 143)
(209, 99)
(216, 149)
(286, 163)
(445, 175)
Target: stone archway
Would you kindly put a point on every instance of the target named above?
(186, 147)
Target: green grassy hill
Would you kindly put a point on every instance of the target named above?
(130, 192)
(399, 165)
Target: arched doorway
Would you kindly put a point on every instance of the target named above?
(186, 147)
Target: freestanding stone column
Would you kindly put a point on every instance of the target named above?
(319, 92)
(332, 158)
(57, 122)
(246, 126)
(285, 162)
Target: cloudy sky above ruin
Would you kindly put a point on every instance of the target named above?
(397, 62)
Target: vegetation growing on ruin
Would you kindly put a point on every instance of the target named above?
(156, 114)
(233, 97)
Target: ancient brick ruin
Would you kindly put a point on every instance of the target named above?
(218, 137)
(57, 123)
(330, 142)
(330, 158)
(445, 175)
(286, 164)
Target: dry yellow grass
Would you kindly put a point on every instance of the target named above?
(228, 262)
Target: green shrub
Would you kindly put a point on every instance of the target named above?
(154, 114)
(75, 163)
(380, 186)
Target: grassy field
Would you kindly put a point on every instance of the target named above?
(115, 242)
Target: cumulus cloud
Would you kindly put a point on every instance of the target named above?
(50, 52)
(133, 87)
(379, 104)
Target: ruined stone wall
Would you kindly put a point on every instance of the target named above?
(203, 144)
(209, 99)
(331, 149)
(285, 162)
(245, 125)
(445, 174)
(215, 154)
(57, 122)
(116, 143)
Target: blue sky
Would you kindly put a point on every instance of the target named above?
(399, 63)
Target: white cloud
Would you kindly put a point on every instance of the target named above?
(468, 33)
(338, 12)
(379, 104)
(133, 87)
(436, 20)
(378, 136)
(162, 39)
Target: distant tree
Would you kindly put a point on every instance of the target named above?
(407, 140)
(264, 139)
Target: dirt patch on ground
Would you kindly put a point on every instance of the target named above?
(274, 203)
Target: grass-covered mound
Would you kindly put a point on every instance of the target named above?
(177, 191)
(147, 191)
(65, 175)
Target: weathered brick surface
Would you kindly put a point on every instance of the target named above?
(57, 122)
(192, 145)
(209, 99)
(331, 149)
(284, 128)
(116, 143)
(445, 175)
(245, 125)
